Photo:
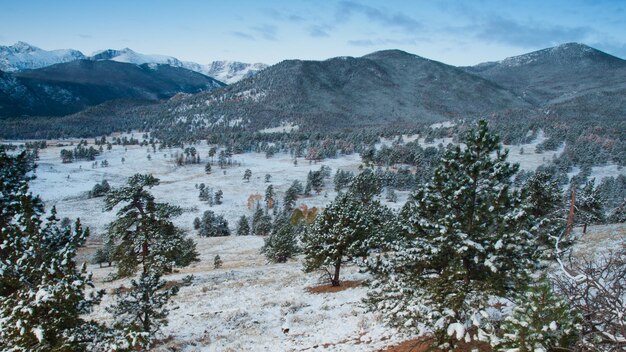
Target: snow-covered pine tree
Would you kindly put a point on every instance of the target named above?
(546, 209)
(213, 225)
(365, 186)
(588, 205)
(261, 223)
(143, 233)
(42, 289)
(269, 197)
(282, 242)
(243, 226)
(347, 228)
(217, 262)
(541, 321)
(141, 310)
(465, 241)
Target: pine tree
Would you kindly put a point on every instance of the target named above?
(465, 240)
(217, 262)
(588, 205)
(541, 321)
(269, 197)
(213, 225)
(141, 310)
(281, 244)
(347, 228)
(42, 289)
(143, 233)
(207, 168)
(291, 196)
(365, 185)
(243, 226)
(261, 223)
(246, 175)
(218, 196)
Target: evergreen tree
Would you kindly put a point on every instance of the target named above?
(281, 244)
(541, 321)
(141, 310)
(143, 233)
(243, 226)
(269, 197)
(347, 228)
(261, 223)
(42, 289)
(218, 196)
(217, 262)
(207, 168)
(588, 205)
(213, 225)
(366, 185)
(465, 240)
(315, 181)
(291, 196)
(246, 175)
(104, 254)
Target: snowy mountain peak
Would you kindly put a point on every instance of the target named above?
(232, 71)
(23, 56)
(564, 53)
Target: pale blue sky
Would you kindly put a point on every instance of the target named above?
(454, 32)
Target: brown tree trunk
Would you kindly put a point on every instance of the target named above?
(584, 228)
(335, 281)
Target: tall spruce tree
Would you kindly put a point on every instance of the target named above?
(243, 226)
(281, 244)
(465, 240)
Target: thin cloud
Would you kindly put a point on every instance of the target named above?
(506, 31)
(86, 36)
(319, 31)
(242, 35)
(283, 16)
(382, 41)
(266, 31)
(381, 16)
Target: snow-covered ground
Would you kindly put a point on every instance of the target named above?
(247, 304)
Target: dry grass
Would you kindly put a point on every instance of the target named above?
(344, 285)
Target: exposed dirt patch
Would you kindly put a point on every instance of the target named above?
(424, 344)
(329, 289)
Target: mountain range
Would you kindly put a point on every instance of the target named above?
(388, 88)
(23, 56)
(394, 87)
(70, 87)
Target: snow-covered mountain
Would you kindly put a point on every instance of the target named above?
(226, 71)
(129, 56)
(232, 71)
(23, 56)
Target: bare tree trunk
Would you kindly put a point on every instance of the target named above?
(335, 281)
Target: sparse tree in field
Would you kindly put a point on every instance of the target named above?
(100, 189)
(346, 229)
(282, 243)
(261, 223)
(217, 262)
(218, 197)
(291, 195)
(207, 168)
(104, 254)
(212, 225)
(246, 175)
(268, 177)
(243, 226)
(365, 186)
